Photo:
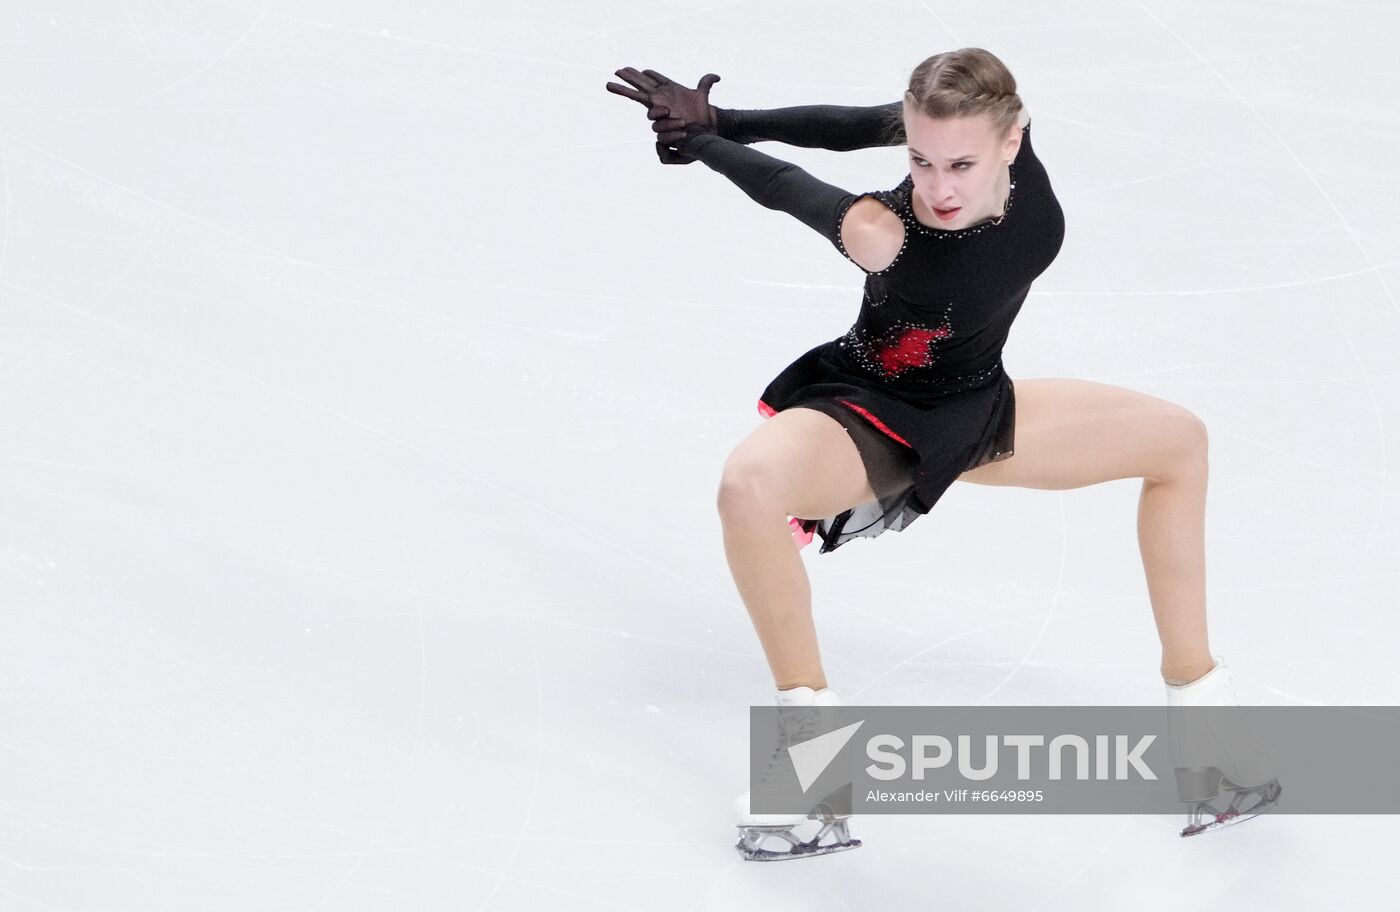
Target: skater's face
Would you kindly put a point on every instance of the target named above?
(958, 163)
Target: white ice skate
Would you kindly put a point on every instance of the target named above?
(755, 829)
(1212, 754)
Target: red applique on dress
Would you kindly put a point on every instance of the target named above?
(908, 350)
(903, 349)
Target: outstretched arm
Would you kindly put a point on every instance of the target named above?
(776, 184)
(674, 109)
(839, 128)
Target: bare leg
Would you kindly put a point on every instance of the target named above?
(1074, 433)
(1171, 538)
(772, 581)
(799, 462)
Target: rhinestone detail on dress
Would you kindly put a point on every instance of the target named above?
(900, 350)
(880, 195)
(899, 347)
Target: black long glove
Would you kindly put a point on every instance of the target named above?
(840, 128)
(773, 183)
(673, 109)
(768, 181)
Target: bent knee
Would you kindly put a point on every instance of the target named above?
(1189, 445)
(747, 486)
(1193, 438)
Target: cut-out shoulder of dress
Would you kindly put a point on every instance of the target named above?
(872, 234)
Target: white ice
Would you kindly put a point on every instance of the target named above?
(367, 385)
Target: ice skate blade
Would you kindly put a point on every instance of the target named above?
(1205, 818)
(751, 838)
(801, 850)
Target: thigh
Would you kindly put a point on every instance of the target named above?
(1073, 433)
(801, 461)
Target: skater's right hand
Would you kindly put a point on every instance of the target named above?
(676, 112)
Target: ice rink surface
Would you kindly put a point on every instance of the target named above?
(368, 382)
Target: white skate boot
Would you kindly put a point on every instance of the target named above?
(754, 829)
(1211, 753)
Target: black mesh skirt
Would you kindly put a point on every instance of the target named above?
(913, 447)
(889, 465)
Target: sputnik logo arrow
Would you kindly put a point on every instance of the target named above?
(811, 758)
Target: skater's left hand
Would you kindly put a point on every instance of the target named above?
(676, 112)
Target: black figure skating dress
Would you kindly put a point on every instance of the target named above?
(917, 380)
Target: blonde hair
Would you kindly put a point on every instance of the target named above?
(963, 83)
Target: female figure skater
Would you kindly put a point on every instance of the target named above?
(865, 432)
